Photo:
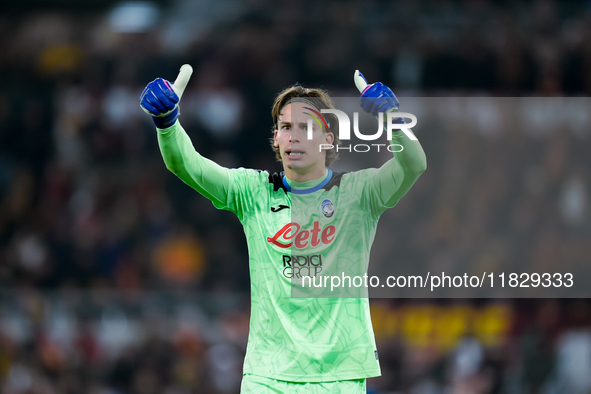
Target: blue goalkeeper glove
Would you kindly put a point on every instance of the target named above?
(377, 97)
(161, 98)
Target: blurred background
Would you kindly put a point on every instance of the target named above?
(116, 278)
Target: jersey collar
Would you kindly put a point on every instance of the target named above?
(311, 189)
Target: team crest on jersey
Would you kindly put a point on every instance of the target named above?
(327, 208)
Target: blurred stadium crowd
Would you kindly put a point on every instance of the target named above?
(117, 278)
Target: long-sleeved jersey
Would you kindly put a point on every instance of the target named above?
(300, 331)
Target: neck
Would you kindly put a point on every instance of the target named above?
(305, 177)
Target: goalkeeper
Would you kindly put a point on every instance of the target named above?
(297, 345)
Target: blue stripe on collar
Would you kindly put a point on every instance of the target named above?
(309, 190)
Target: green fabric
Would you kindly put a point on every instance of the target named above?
(253, 384)
(305, 185)
(320, 338)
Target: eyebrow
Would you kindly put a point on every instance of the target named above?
(281, 123)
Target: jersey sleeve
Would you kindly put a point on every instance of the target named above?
(229, 189)
(247, 188)
(385, 186)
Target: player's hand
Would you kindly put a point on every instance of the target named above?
(161, 98)
(376, 97)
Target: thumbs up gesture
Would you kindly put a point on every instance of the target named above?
(376, 97)
(161, 98)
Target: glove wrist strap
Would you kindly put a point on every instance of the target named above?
(163, 122)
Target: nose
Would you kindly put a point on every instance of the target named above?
(294, 136)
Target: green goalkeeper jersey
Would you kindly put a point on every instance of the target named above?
(318, 228)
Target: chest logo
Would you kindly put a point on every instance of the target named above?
(292, 234)
(327, 208)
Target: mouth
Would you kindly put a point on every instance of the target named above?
(294, 154)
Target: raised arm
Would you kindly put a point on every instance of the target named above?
(160, 99)
(398, 174)
(204, 175)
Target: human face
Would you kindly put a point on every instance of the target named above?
(302, 158)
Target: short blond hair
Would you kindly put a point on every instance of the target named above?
(321, 100)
